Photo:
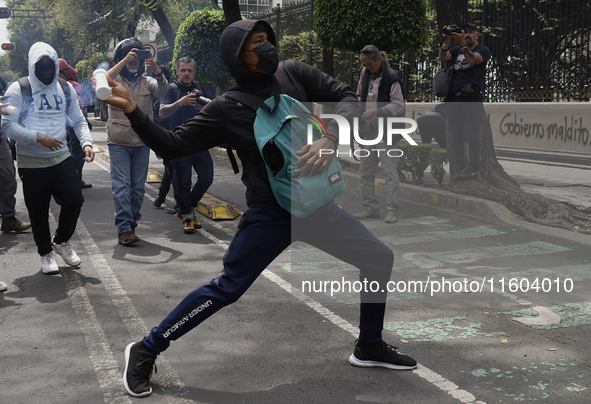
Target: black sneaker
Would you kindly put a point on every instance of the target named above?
(380, 355)
(139, 362)
(158, 201)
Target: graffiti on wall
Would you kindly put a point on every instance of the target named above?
(567, 129)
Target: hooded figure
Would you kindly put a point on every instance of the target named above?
(232, 41)
(266, 229)
(45, 165)
(47, 113)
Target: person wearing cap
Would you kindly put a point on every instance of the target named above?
(129, 156)
(248, 48)
(67, 73)
(465, 97)
(380, 92)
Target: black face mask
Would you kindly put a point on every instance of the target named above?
(268, 57)
(45, 71)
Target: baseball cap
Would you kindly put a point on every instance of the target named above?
(470, 25)
(64, 65)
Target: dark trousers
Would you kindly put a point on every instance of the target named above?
(183, 169)
(168, 179)
(262, 235)
(463, 114)
(76, 151)
(39, 185)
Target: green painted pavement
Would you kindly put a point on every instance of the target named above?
(424, 237)
(439, 329)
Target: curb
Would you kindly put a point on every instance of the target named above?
(482, 209)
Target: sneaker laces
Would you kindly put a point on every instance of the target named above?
(49, 258)
(144, 368)
(66, 248)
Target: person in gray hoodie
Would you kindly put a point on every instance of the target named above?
(45, 165)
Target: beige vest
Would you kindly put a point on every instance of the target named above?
(119, 129)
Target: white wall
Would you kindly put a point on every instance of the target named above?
(564, 126)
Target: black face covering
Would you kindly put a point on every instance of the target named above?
(268, 57)
(45, 71)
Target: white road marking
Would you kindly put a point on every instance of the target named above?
(545, 317)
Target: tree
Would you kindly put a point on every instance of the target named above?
(391, 25)
(232, 11)
(24, 33)
(494, 183)
(199, 38)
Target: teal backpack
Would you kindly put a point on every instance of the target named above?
(281, 129)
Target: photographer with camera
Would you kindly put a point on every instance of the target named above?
(182, 102)
(129, 156)
(465, 96)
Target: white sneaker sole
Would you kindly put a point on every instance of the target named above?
(372, 364)
(131, 393)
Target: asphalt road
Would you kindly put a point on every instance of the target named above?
(514, 329)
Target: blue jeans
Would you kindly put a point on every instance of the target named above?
(262, 235)
(129, 170)
(203, 165)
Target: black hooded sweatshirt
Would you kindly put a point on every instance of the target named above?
(225, 121)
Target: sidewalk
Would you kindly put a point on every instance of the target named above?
(562, 183)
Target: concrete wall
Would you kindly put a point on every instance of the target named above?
(552, 126)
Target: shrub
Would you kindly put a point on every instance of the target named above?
(437, 159)
(199, 38)
(415, 160)
(94, 62)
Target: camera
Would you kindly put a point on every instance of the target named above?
(143, 54)
(450, 29)
(201, 100)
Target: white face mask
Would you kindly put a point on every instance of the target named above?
(132, 70)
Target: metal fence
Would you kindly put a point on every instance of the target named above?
(540, 50)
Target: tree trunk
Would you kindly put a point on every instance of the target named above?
(231, 11)
(164, 25)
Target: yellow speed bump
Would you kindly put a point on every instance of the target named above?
(154, 176)
(216, 209)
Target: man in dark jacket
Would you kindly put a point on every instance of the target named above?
(181, 103)
(248, 49)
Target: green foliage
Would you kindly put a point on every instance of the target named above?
(389, 24)
(415, 160)
(403, 161)
(8, 74)
(419, 159)
(199, 37)
(94, 62)
(297, 47)
(24, 33)
(437, 159)
(95, 24)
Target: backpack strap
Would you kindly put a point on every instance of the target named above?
(27, 96)
(254, 102)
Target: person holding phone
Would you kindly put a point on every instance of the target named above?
(129, 157)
